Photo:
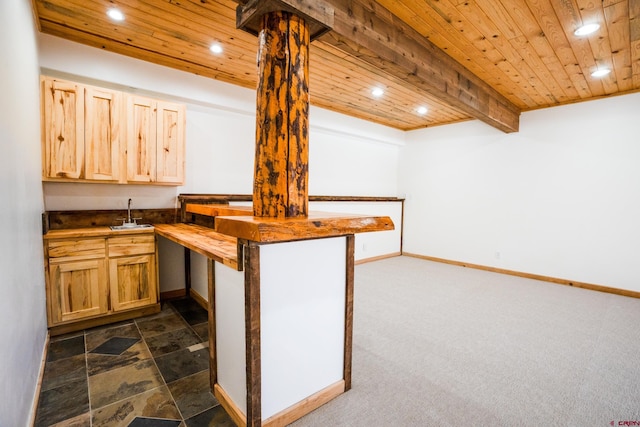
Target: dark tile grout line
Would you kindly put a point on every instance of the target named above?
(164, 382)
(202, 340)
(189, 326)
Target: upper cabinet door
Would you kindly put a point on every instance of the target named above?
(63, 129)
(170, 143)
(141, 139)
(103, 134)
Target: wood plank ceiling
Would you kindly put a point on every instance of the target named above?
(525, 50)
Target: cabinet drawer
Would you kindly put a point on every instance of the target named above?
(132, 245)
(76, 249)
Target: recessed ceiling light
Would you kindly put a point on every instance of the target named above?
(377, 92)
(586, 29)
(115, 14)
(216, 48)
(601, 72)
(422, 110)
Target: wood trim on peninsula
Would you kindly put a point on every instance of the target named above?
(348, 312)
(211, 322)
(236, 414)
(253, 334)
(305, 406)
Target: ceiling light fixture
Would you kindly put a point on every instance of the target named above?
(377, 92)
(422, 110)
(586, 29)
(216, 48)
(601, 72)
(115, 14)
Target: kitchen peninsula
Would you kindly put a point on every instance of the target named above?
(280, 306)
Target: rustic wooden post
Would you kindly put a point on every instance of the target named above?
(285, 29)
(282, 136)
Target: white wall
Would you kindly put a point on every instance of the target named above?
(350, 157)
(171, 265)
(370, 245)
(23, 324)
(199, 275)
(560, 198)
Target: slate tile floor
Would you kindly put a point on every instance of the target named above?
(152, 371)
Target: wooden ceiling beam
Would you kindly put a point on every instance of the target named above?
(368, 31)
(372, 34)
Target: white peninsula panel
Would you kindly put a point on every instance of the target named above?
(302, 306)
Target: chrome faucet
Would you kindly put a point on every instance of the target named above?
(129, 222)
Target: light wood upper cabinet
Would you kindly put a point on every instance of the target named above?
(100, 135)
(141, 139)
(155, 138)
(170, 142)
(62, 129)
(81, 132)
(103, 134)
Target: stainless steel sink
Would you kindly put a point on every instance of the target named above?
(130, 226)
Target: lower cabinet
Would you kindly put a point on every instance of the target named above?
(94, 281)
(132, 272)
(78, 289)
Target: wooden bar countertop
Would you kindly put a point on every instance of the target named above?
(316, 225)
(238, 221)
(205, 241)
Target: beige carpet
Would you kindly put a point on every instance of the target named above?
(440, 345)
